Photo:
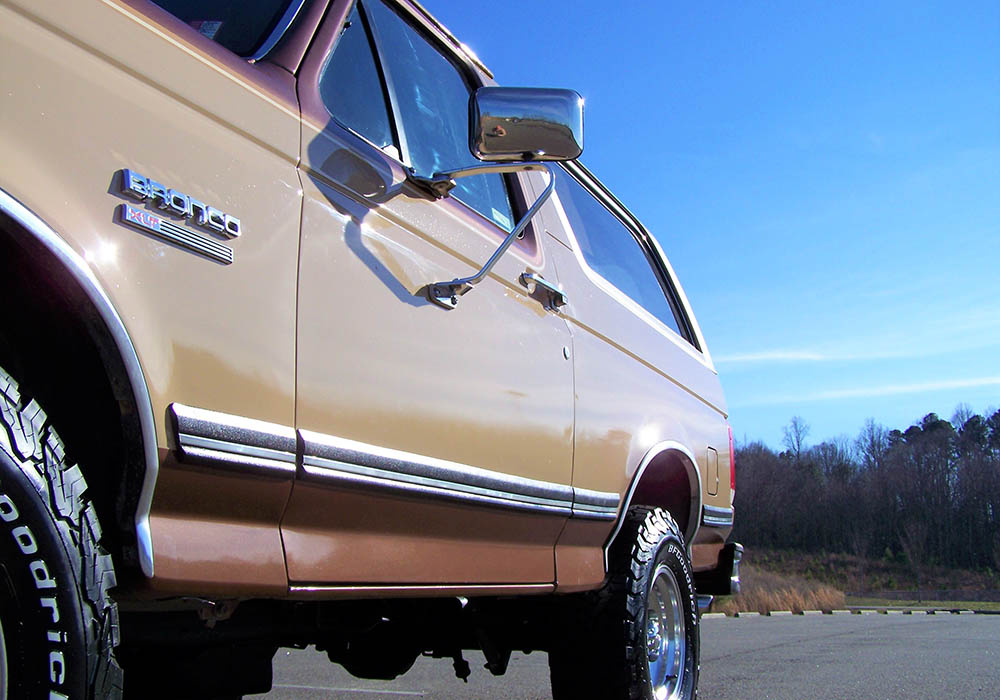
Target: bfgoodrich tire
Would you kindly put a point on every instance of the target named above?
(638, 637)
(59, 624)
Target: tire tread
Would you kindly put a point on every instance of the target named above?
(36, 445)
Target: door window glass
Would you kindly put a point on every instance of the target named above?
(351, 88)
(612, 251)
(432, 102)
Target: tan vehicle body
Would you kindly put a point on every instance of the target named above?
(317, 331)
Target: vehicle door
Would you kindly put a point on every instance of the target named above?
(437, 443)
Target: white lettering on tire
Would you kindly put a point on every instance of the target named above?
(39, 570)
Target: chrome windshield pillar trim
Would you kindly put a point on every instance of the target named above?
(717, 517)
(334, 459)
(84, 276)
(233, 442)
(291, 12)
(690, 464)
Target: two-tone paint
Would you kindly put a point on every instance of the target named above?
(375, 442)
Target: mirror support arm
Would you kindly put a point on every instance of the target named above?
(440, 185)
(446, 294)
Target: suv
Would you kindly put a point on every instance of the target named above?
(313, 335)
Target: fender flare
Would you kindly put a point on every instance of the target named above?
(77, 267)
(694, 478)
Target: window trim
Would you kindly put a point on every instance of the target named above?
(650, 247)
(286, 21)
(388, 86)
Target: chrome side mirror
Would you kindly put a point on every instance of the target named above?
(512, 124)
(514, 130)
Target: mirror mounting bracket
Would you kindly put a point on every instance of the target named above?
(446, 294)
(440, 185)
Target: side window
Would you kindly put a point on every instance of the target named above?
(612, 251)
(241, 27)
(351, 88)
(429, 98)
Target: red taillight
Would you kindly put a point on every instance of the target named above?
(732, 462)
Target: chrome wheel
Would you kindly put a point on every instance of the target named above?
(666, 651)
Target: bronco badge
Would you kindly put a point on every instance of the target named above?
(179, 204)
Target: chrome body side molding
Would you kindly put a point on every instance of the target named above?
(461, 590)
(335, 459)
(717, 517)
(595, 505)
(691, 465)
(74, 263)
(221, 440)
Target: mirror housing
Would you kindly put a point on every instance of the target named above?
(512, 125)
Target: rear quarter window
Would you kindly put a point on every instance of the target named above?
(611, 250)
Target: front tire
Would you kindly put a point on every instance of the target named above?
(638, 637)
(58, 621)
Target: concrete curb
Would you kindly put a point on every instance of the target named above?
(854, 611)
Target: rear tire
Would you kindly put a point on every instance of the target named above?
(59, 624)
(638, 637)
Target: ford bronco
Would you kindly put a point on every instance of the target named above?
(314, 335)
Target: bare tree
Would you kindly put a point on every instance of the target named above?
(913, 539)
(859, 539)
(963, 412)
(795, 437)
(872, 444)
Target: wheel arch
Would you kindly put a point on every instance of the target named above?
(667, 477)
(69, 288)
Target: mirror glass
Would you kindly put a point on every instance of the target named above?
(516, 124)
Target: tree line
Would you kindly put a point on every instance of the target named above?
(930, 493)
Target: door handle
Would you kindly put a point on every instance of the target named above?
(535, 283)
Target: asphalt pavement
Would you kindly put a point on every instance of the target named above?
(877, 657)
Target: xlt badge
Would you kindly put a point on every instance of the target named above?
(169, 231)
(142, 188)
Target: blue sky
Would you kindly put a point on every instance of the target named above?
(825, 178)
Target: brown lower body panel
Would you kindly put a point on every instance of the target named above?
(580, 555)
(216, 533)
(708, 544)
(354, 537)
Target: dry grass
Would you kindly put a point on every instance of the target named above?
(851, 573)
(764, 591)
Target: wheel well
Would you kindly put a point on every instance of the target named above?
(670, 481)
(55, 343)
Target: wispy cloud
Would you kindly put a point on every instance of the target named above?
(790, 356)
(875, 391)
(913, 348)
